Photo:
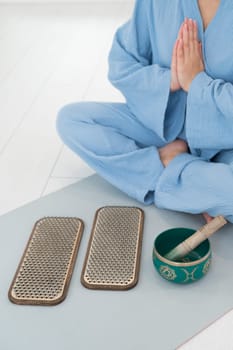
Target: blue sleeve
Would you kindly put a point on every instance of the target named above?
(145, 86)
(209, 113)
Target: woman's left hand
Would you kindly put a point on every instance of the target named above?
(189, 55)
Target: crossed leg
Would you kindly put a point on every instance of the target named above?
(109, 138)
(130, 156)
(194, 185)
(170, 151)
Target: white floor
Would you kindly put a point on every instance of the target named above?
(51, 55)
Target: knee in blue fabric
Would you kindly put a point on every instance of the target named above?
(72, 112)
(70, 121)
(88, 125)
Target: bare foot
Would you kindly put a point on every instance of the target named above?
(170, 151)
(207, 217)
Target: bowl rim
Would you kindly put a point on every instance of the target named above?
(174, 263)
(183, 264)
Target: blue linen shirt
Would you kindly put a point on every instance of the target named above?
(139, 66)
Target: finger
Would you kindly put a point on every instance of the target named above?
(199, 49)
(179, 35)
(185, 41)
(180, 52)
(176, 47)
(180, 31)
(201, 52)
(201, 55)
(196, 45)
(174, 50)
(195, 31)
(190, 29)
(191, 36)
(174, 59)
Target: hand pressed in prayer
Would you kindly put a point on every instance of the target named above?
(175, 84)
(187, 62)
(189, 54)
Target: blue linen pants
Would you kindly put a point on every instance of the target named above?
(111, 140)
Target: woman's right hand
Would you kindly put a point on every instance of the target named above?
(175, 85)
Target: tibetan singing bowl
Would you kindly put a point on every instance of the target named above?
(191, 268)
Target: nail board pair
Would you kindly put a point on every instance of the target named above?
(112, 258)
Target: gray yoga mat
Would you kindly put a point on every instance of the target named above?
(155, 314)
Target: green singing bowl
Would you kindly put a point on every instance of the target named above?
(186, 270)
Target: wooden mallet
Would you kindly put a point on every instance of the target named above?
(185, 247)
